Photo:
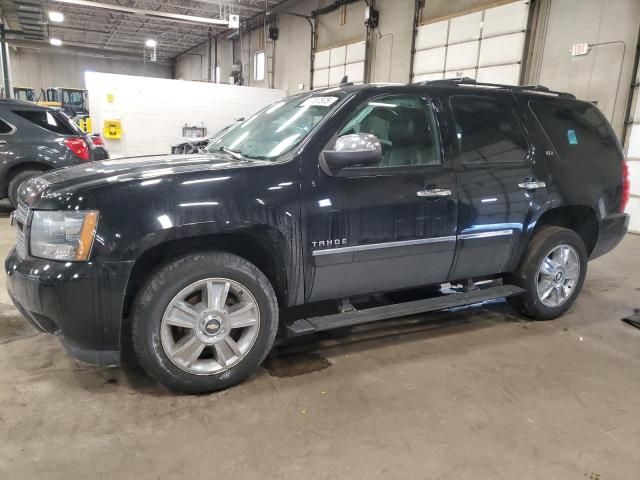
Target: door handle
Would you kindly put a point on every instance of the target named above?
(434, 192)
(3, 142)
(531, 184)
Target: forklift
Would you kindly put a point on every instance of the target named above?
(72, 101)
(25, 93)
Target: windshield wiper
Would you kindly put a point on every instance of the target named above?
(234, 153)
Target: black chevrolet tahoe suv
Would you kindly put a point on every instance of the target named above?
(330, 201)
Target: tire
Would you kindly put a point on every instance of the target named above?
(558, 242)
(159, 344)
(17, 180)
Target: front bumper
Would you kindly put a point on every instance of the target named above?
(80, 302)
(611, 231)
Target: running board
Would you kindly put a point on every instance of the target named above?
(306, 326)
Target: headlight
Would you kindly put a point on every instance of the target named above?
(60, 235)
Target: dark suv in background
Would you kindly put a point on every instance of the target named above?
(331, 198)
(35, 139)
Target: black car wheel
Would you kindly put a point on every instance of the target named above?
(552, 272)
(17, 180)
(204, 322)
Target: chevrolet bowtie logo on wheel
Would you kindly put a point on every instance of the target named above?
(212, 326)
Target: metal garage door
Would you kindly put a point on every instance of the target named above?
(487, 45)
(329, 66)
(633, 158)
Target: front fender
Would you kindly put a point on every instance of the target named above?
(261, 204)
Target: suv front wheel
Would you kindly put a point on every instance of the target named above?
(552, 273)
(16, 181)
(204, 322)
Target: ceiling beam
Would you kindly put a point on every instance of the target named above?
(81, 49)
(147, 13)
(238, 5)
(160, 36)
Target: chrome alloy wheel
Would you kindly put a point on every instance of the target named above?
(209, 326)
(558, 275)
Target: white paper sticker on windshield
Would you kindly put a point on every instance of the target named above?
(319, 102)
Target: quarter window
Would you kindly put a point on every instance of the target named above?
(405, 126)
(577, 130)
(5, 127)
(487, 131)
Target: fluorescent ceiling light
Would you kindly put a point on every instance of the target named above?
(150, 43)
(56, 17)
(148, 13)
(56, 42)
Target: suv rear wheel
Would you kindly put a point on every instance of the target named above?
(17, 180)
(204, 322)
(552, 272)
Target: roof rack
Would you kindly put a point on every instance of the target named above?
(467, 81)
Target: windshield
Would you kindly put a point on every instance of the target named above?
(73, 97)
(278, 128)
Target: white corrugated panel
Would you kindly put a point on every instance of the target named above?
(427, 77)
(634, 171)
(507, 74)
(338, 56)
(321, 78)
(502, 43)
(634, 139)
(469, 72)
(335, 75)
(330, 66)
(355, 52)
(355, 72)
(321, 60)
(501, 50)
(429, 61)
(505, 19)
(465, 28)
(432, 35)
(462, 55)
(633, 209)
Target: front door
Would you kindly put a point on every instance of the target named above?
(500, 185)
(388, 226)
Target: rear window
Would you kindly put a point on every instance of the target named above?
(577, 131)
(49, 120)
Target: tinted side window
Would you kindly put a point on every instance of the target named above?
(577, 130)
(487, 131)
(5, 127)
(405, 126)
(48, 120)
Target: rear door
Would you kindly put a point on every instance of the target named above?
(500, 184)
(389, 226)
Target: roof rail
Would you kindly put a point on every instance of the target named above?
(467, 81)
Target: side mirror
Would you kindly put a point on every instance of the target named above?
(354, 150)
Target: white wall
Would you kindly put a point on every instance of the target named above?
(604, 75)
(153, 111)
(193, 65)
(43, 69)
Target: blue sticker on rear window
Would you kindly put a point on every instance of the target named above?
(572, 137)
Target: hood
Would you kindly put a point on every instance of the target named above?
(126, 169)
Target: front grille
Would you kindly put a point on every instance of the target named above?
(21, 215)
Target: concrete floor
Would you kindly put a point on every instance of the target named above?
(476, 394)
